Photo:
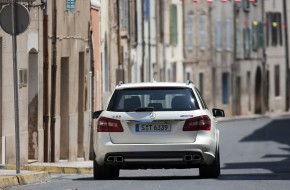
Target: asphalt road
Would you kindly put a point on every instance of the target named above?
(255, 154)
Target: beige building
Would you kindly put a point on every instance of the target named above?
(72, 102)
(197, 47)
(250, 65)
(222, 48)
(30, 65)
(72, 85)
(275, 56)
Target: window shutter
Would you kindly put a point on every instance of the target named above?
(239, 45)
(70, 5)
(219, 35)
(246, 5)
(190, 32)
(247, 42)
(229, 35)
(269, 29)
(279, 19)
(255, 26)
(261, 39)
(173, 24)
(202, 31)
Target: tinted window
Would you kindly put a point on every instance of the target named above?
(158, 99)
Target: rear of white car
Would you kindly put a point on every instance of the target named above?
(156, 125)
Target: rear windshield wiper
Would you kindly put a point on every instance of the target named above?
(144, 109)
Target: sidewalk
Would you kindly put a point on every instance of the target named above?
(38, 172)
(256, 116)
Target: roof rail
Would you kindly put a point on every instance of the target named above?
(189, 82)
(120, 83)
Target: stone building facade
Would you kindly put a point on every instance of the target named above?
(30, 65)
(72, 105)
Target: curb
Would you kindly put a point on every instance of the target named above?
(55, 169)
(25, 179)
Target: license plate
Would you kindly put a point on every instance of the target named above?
(153, 127)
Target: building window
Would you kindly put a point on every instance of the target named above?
(249, 89)
(255, 3)
(133, 22)
(261, 37)
(201, 83)
(247, 42)
(274, 29)
(246, 5)
(22, 78)
(255, 35)
(70, 5)
(277, 80)
(161, 21)
(219, 35)
(229, 34)
(202, 31)
(124, 14)
(146, 9)
(239, 44)
(225, 88)
(173, 25)
(190, 32)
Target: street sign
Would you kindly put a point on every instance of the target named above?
(21, 16)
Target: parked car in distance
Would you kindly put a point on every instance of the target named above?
(156, 125)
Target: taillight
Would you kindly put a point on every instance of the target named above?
(109, 125)
(197, 123)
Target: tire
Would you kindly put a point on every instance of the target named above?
(212, 170)
(105, 172)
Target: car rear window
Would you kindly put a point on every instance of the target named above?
(153, 99)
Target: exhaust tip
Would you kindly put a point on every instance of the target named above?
(196, 157)
(188, 157)
(119, 159)
(111, 159)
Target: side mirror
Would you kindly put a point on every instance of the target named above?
(218, 112)
(97, 114)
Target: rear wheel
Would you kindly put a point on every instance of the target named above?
(105, 172)
(212, 170)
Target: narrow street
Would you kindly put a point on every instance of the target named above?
(254, 155)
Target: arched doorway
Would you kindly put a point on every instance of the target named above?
(258, 91)
(33, 105)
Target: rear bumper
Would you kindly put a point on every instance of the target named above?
(154, 160)
(156, 155)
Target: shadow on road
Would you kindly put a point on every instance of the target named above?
(276, 131)
(145, 178)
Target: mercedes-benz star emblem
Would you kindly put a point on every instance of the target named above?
(152, 115)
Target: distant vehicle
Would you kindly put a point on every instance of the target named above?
(156, 125)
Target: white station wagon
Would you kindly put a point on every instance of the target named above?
(156, 125)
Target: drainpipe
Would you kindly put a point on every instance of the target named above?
(53, 80)
(120, 62)
(143, 44)
(92, 76)
(149, 42)
(45, 82)
(165, 79)
(265, 96)
(287, 53)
